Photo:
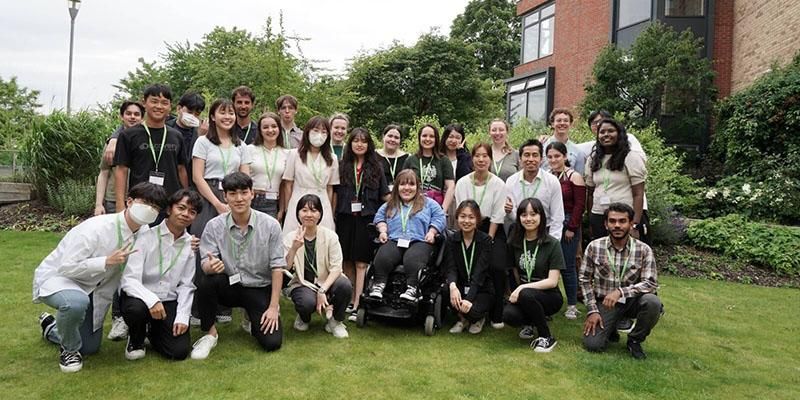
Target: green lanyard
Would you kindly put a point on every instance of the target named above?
(120, 241)
(286, 139)
(404, 218)
(423, 174)
(224, 159)
(358, 175)
(316, 171)
(392, 167)
(150, 140)
(308, 258)
(561, 175)
(535, 189)
(627, 263)
(498, 166)
(474, 193)
(267, 168)
(606, 179)
(527, 263)
(236, 250)
(247, 134)
(161, 255)
(468, 263)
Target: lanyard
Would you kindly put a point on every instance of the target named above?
(225, 159)
(527, 263)
(119, 241)
(315, 170)
(286, 139)
(627, 263)
(475, 195)
(468, 263)
(358, 175)
(606, 179)
(308, 258)
(498, 166)
(247, 134)
(161, 255)
(270, 170)
(561, 175)
(150, 140)
(237, 249)
(392, 167)
(404, 217)
(423, 174)
(535, 189)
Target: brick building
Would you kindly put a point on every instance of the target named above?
(561, 39)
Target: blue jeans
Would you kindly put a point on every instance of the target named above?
(570, 275)
(74, 322)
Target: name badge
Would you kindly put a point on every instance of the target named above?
(271, 196)
(466, 289)
(391, 187)
(234, 279)
(156, 178)
(403, 243)
(355, 207)
(605, 200)
(219, 185)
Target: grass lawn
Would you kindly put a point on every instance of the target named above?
(717, 341)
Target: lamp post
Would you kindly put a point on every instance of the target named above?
(74, 6)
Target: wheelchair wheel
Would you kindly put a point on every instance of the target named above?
(429, 325)
(361, 317)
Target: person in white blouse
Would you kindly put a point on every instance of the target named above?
(268, 161)
(157, 286)
(538, 184)
(80, 276)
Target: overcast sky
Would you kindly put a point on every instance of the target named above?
(111, 35)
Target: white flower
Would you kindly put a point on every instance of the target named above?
(726, 193)
(711, 193)
(746, 188)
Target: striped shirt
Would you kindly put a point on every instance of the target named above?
(635, 263)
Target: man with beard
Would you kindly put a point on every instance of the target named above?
(243, 101)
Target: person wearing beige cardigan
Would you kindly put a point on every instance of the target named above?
(315, 255)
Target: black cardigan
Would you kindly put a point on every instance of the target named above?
(457, 271)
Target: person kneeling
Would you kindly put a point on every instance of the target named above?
(242, 259)
(318, 277)
(157, 286)
(619, 272)
(537, 262)
(471, 290)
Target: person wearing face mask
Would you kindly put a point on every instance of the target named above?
(243, 101)
(268, 163)
(187, 122)
(339, 123)
(391, 153)
(80, 276)
(312, 169)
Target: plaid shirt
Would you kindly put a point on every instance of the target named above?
(597, 278)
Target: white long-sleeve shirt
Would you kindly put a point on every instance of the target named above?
(151, 278)
(79, 262)
(547, 189)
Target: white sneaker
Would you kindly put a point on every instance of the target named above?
(299, 324)
(572, 312)
(544, 344)
(132, 353)
(498, 325)
(410, 294)
(458, 327)
(202, 347)
(477, 327)
(119, 330)
(377, 291)
(336, 328)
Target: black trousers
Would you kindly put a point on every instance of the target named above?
(137, 317)
(413, 259)
(498, 265)
(339, 295)
(531, 308)
(481, 306)
(215, 290)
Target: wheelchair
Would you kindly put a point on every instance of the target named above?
(429, 306)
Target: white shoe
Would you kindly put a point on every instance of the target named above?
(458, 327)
(299, 324)
(498, 325)
(477, 327)
(202, 347)
(572, 312)
(132, 353)
(377, 291)
(119, 330)
(336, 328)
(410, 294)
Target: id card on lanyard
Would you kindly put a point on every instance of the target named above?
(358, 175)
(270, 171)
(238, 249)
(404, 242)
(155, 177)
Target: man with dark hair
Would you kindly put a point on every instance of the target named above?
(287, 109)
(618, 278)
(187, 122)
(243, 101)
(242, 259)
(80, 276)
(157, 287)
(151, 151)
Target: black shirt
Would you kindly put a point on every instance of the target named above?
(244, 135)
(371, 198)
(478, 280)
(133, 151)
(388, 163)
(548, 257)
(189, 136)
(310, 259)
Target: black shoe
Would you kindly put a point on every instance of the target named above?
(70, 361)
(134, 351)
(636, 349)
(625, 325)
(613, 337)
(47, 322)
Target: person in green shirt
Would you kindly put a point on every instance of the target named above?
(434, 170)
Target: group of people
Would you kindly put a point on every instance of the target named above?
(267, 200)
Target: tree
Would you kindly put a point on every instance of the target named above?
(662, 77)
(17, 111)
(436, 76)
(493, 30)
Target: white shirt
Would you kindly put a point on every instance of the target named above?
(547, 189)
(79, 262)
(260, 158)
(151, 278)
(220, 161)
(493, 200)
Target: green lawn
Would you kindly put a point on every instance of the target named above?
(717, 341)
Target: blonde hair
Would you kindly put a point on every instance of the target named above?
(506, 146)
(342, 116)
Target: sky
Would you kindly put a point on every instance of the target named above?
(111, 35)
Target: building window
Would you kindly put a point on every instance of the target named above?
(537, 33)
(683, 8)
(631, 12)
(528, 99)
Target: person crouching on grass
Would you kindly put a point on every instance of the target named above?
(80, 276)
(157, 287)
(243, 260)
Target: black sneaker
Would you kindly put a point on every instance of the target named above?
(544, 344)
(625, 325)
(70, 361)
(636, 349)
(613, 337)
(47, 322)
(134, 352)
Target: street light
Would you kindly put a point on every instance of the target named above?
(74, 6)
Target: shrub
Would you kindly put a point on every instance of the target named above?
(773, 246)
(72, 197)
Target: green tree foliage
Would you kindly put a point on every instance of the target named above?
(435, 76)
(493, 30)
(17, 112)
(661, 78)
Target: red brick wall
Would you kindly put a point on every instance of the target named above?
(582, 29)
(722, 52)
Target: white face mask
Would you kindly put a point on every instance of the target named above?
(142, 214)
(317, 139)
(189, 120)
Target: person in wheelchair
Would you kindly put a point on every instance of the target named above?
(407, 227)
(536, 262)
(467, 257)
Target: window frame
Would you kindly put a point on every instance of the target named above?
(550, 10)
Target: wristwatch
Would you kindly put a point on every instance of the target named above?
(321, 290)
